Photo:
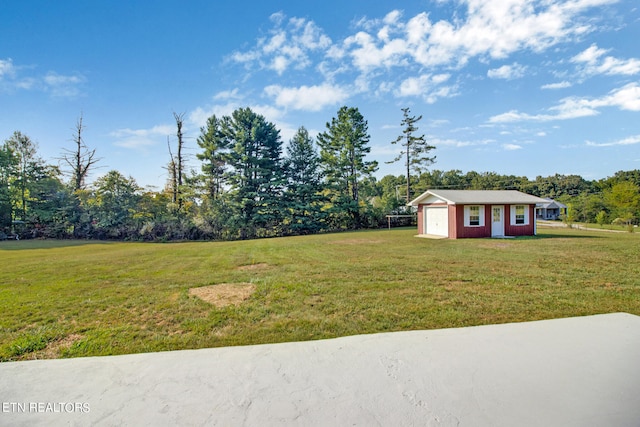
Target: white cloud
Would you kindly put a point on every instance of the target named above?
(511, 147)
(427, 86)
(632, 140)
(307, 98)
(7, 68)
(497, 28)
(438, 142)
(507, 72)
(139, 138)
(58, 85)
(560, 85)
(288, 44)
(370, 57)
(228, 94)
(594, 61)
(63, 86)
(624, 98)
(198, 117)
(589, 55)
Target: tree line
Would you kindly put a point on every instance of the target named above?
(252, 185)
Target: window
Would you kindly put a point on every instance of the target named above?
(520, 215)
(474, 216)
(497, 214)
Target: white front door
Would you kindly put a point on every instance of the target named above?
(497, 221)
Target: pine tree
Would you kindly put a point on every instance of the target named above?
(304, 199)
(257, 178)
(343, 148)
(8, 168)
(415, 148)
(214, 157)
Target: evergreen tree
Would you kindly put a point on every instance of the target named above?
(415, 149)
(303, 197)
(343, 148)
(114, 204)
(214, 157)
(257, 177)
(8, 167)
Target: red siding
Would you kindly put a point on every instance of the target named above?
(472, 232)
(457, 230)
(519, 230)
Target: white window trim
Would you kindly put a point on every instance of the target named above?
(467, 215)
(513, 215)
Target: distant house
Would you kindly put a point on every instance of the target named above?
(457, 214)
(551, 210)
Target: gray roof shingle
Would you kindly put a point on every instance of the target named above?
(466, 197)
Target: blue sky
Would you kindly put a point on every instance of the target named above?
(511, 86)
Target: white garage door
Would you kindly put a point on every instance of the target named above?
(436, 221)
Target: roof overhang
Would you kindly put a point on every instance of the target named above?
(479, 197)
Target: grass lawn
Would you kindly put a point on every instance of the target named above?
(71, 298)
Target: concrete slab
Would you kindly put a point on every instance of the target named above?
(431, 236)
(568, 372)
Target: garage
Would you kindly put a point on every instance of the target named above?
(436, 220)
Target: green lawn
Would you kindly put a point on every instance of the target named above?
(70, 298)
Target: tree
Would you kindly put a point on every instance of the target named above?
(415, 148)
(571, 216)
(177, 164)
(303, 196)
(214, 157)
(8, 167)
(624, 198)
(484, 181)
(390, 188)
(50, 203)
(81, 159)
(114, 204)
(28, 165)
(343, 148)
(257, 177)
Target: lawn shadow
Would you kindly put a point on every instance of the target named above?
(20, 245)
(541, 236)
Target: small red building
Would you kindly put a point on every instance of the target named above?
(460, 214)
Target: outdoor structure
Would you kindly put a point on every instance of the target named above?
(457, 214)
(551, 210)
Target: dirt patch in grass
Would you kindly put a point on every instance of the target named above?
(224, 294)
(260, 266)
(54, 348)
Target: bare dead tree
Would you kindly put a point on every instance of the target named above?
(173, 174)
(179, 160)
(177, 163)
(81, 159)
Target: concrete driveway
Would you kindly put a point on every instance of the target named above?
(568, 372)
